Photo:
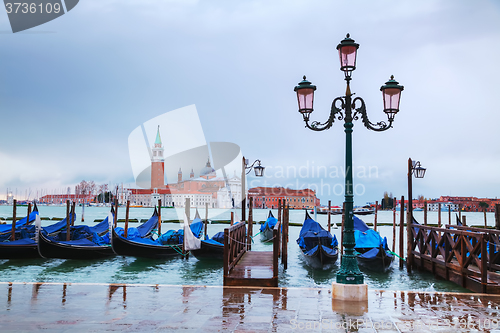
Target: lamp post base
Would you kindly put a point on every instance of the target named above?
(350, 292)
(349, 272)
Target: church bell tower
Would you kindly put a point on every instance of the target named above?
(157, 163)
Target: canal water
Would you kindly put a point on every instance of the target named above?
(190, 271)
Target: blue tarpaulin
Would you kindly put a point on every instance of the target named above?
(270, 222)
(366, 237)
(313, 234)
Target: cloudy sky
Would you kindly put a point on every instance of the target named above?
(73, 90)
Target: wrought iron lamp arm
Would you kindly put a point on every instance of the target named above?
(249, 168)
(334, 113)
(361, 111)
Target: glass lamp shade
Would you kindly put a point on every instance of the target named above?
(420, 172)
(391, 93)
(259, 170)
(347, 54)
(305, 96)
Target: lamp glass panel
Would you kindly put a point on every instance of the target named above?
(259, 171)
(391, 98)
(420, 172)
(347, 56)
(305, 98)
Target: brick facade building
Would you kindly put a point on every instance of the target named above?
(267, 197)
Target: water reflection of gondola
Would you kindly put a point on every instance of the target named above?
(143, 269)
(319, 276)
(202, 272)
(63, 266)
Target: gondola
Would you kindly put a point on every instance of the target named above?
(85, 242)
(6, 229)
(137, 238)
(167, 245)
(319, 247)
(211, 248)
(266, 229)
(26, 246)
(372, 252)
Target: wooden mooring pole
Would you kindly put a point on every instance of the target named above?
(115, 219)
(439, 215)
(206, 220)
(73, 209)
(29, 212)
(394, 225)
(68, 223)
(497, 216)
(159, 217)
(329, 216)
(409, 240)
(449, 214)
(284, 241)
(464, 220)
(279, 210)
(375, 219)
(425, 212)
(14, 211)
(250, 224)
(125, 232)
(401, 231)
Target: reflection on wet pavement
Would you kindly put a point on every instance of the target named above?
(131, 307)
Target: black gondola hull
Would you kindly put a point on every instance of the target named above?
(266, 235)
(125, 247)
(52, 249)
(320, 258)
(18, 251)
(380, 263)
(209, 251)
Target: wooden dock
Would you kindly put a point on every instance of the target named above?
(465, 255)
(255, 268)
(243, 267)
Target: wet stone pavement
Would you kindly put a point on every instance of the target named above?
(53, 307)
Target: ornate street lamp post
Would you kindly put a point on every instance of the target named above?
(414, 168)
(245, 170)
(391, 92)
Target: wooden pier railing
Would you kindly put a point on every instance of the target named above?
(234, 245)
(493, 244)
(457, 255)
(276, 247)
(243, 267)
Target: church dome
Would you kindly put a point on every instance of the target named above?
(207, 169)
